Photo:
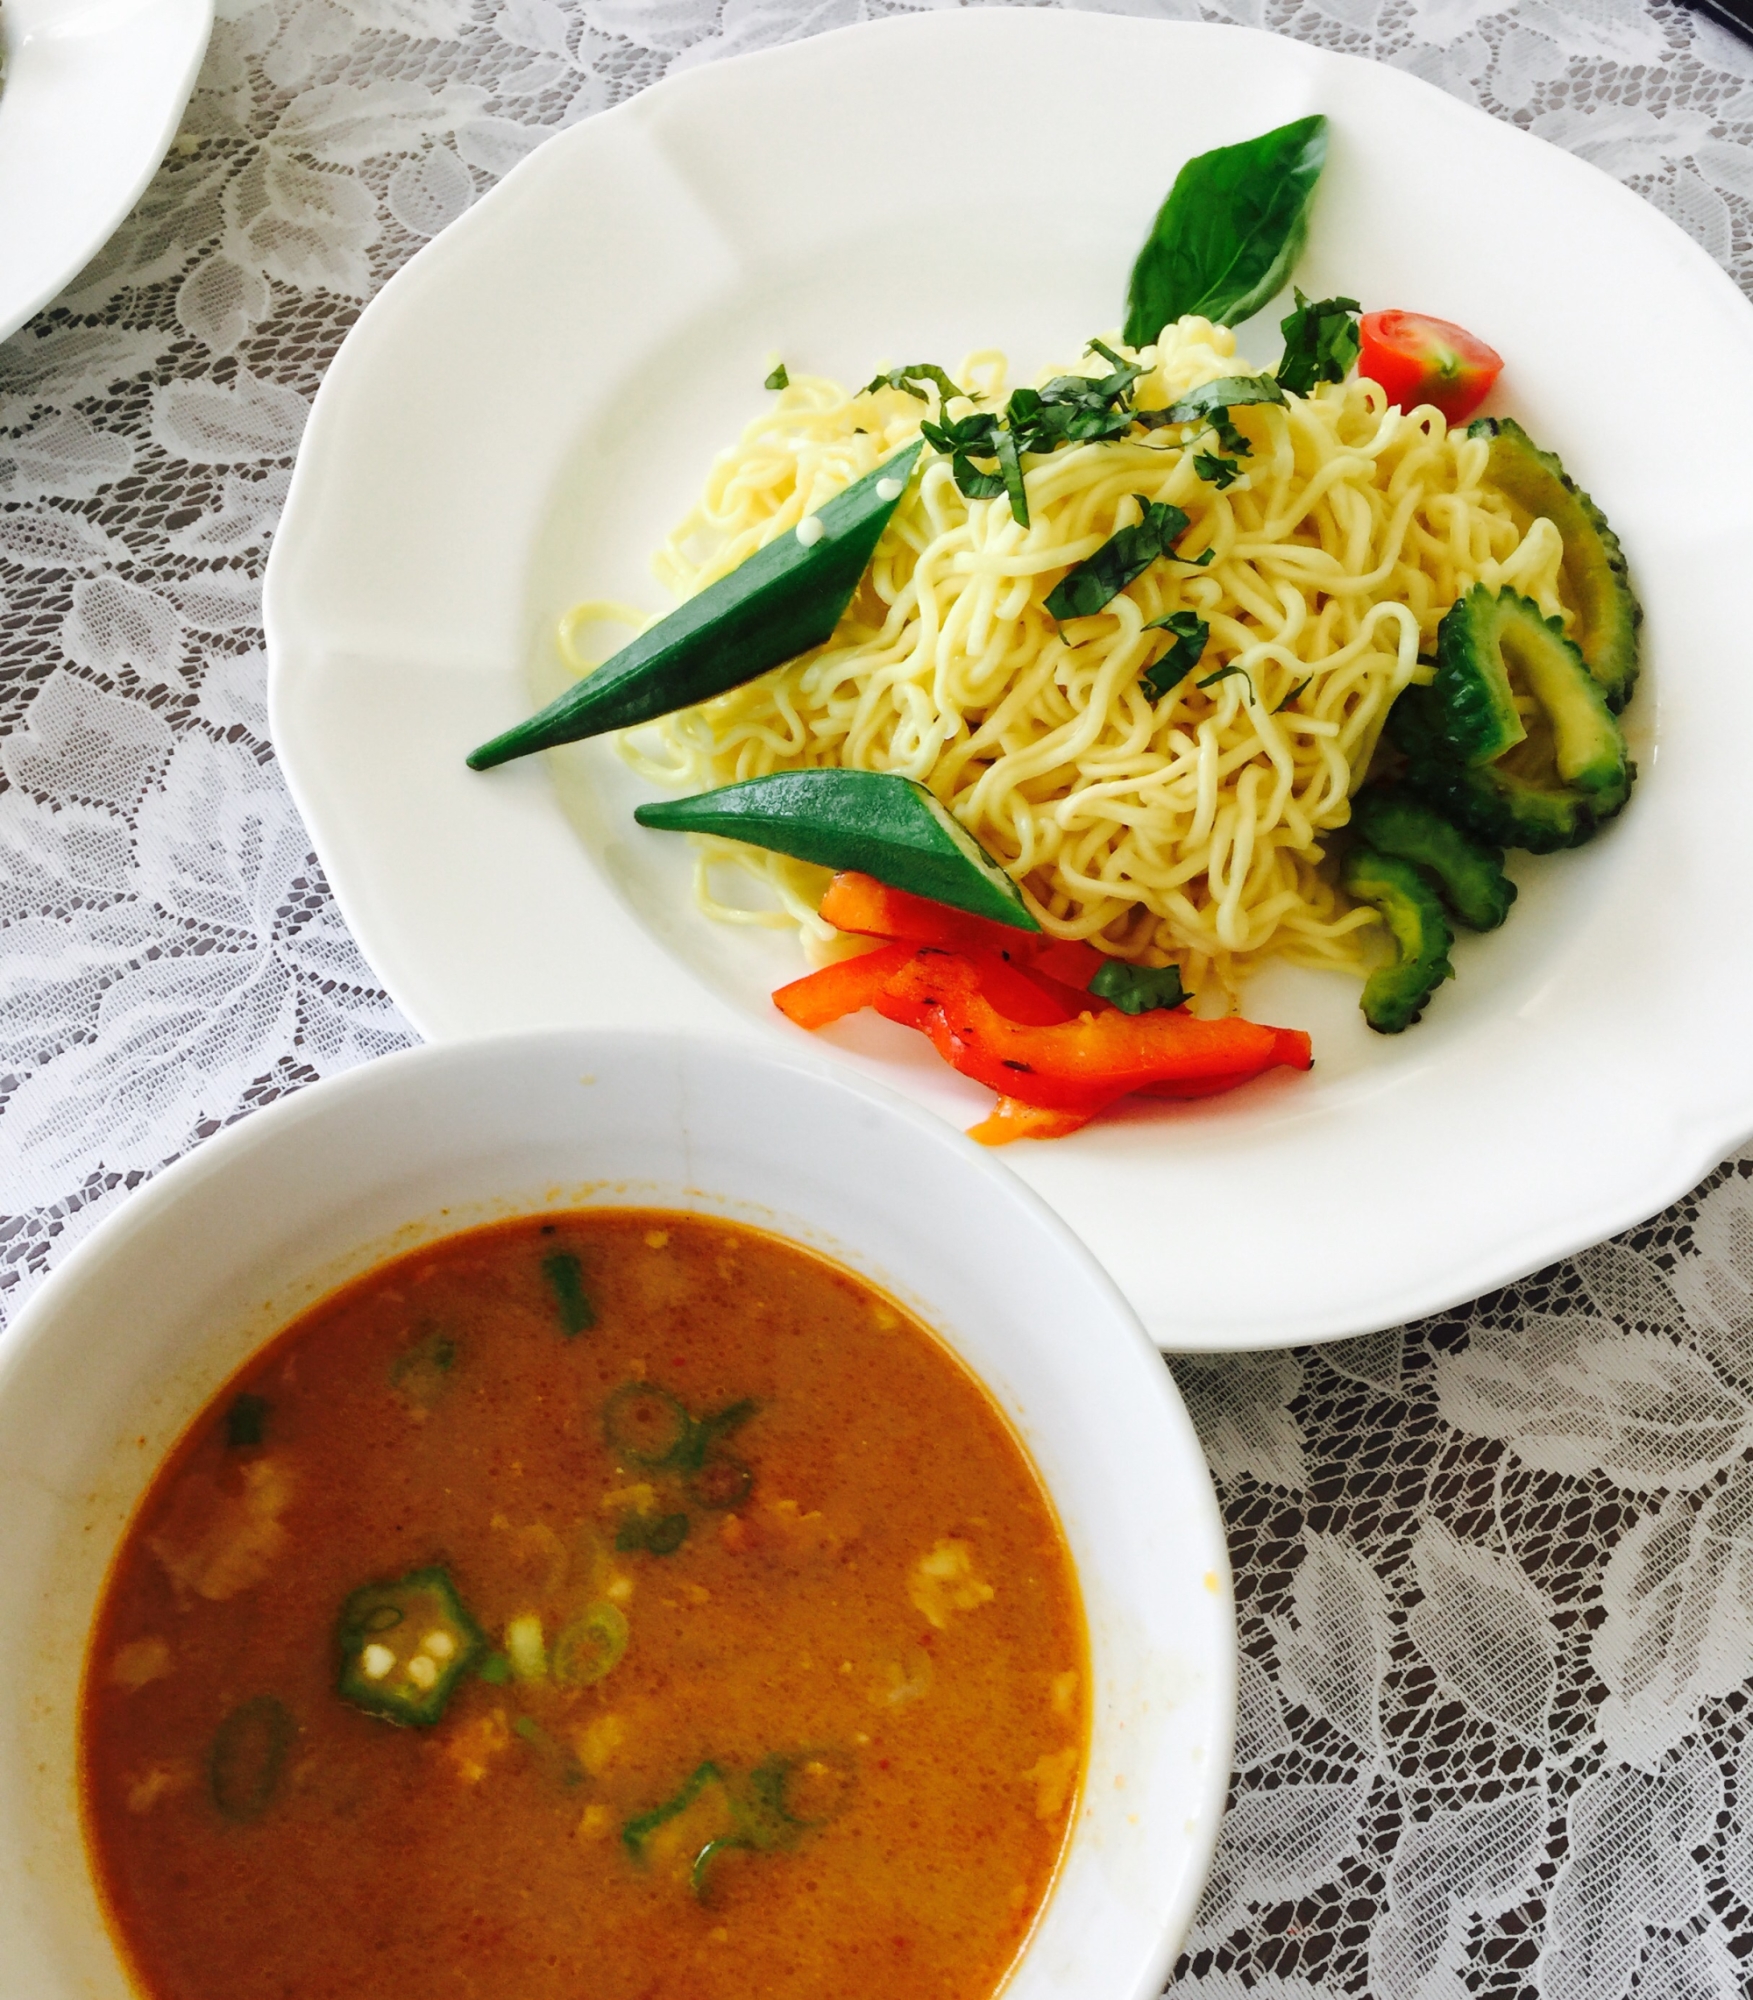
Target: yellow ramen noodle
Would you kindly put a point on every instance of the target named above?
(1189, 829)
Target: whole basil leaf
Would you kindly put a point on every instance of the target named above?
(1225, 239)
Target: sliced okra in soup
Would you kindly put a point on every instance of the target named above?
(405, 1645)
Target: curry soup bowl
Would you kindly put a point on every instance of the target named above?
(129, 1340)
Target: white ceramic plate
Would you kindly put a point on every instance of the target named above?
(90, 103)
(168, 1298)
(530, 403)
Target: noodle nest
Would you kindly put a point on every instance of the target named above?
(1187, 830)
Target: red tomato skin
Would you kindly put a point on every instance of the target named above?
(1419, 360)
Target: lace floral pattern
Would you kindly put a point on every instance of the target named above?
(1495, 1571)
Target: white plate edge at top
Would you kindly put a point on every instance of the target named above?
(1699, 1132)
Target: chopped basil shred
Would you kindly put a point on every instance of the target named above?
(1122, 559)
(1071, 409)
(1321, 342)
(1228, 392)
(908, 379)
(778, 379)
(1221, 472)
(1139, 989)
(1291, 696)
(1223, 674)
(1190, 632)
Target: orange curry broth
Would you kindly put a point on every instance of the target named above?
(892, 1597)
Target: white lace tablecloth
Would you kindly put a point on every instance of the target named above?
(1495, 1571)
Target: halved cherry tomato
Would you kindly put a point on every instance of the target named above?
(1421, 360)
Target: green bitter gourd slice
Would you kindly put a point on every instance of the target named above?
(1395, 995)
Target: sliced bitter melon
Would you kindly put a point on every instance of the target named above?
(1395, 995)
(1597, 582)
(1492, 645)
(1468, 872)
(1497, 802)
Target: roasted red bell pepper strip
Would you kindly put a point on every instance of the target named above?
(842, 988)
(1019, 996)
(1074, 1065)
(868, 908)
(1421, 360)
(1010, 1118)
(861, 904)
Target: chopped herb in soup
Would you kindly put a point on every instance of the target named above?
(625, 1604)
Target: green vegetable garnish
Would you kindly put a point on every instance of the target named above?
(874, 821)
(1225, 239)
(1321, 342)
(1496, 802)
(591, 1647)
(1139, 989)
(1122, 559)
(805, 1790)
(246, 1422)
(247, 1757)
(1190, 634)
(565, 1276)
(657, 1534)
(405, 1645)
(1535, 483)
(1223, 674)
(786, 598)
(636, 1832)
(1071, 409)
(1395, 995)
(782, 1800)
(908, 379)
(1228, 392)
(1493, 646)
(1221, 472)
(1291, 695)
(646, 1425)
(778, 379)
(1468, 873)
